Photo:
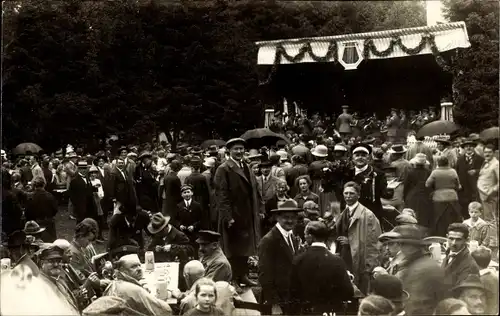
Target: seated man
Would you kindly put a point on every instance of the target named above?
(169, 243)
(127, 287)
(193, 271)
(217, 266)
(50, 263)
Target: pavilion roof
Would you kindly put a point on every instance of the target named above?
(371, 45)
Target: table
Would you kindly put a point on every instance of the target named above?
(161, 280)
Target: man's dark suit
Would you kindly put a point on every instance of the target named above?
(123, 190)
(459, 268)
(319, 282)
(82, 198)
(194, 215)
(201, 192)
(468, 193)
(275, 266)
(107, 187)
(368, 198)
(172, 188)
(120, 230)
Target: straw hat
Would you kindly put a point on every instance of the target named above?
(287, 206)
(419, 159)
(320, 151)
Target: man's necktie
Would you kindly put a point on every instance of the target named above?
(290, 243)
(451, 256)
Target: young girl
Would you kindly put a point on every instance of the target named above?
(206, 296)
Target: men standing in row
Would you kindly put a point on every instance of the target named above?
(240, 210)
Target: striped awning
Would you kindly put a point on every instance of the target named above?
(350, 47)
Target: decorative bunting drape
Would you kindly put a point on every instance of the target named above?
(368, 48)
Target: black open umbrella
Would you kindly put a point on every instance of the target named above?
(437, 128)
(259, 137)
(26, 148)
(491, 133)
(210, 142)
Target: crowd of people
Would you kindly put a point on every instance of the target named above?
(327, 224)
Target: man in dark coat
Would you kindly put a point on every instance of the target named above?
(458, 263)
(171, 189)
(145, 183)
(128, 225)
(81, 195)
(468, 166)
(319, 280)
(240, 210)
(276, 252)
(106, 179)
(373, 185)
(201, 192)
(123, 186)
(216, 265)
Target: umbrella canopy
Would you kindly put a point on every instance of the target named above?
(210, 142)
(262, 137)
(25, 148)
(490, 134)
(437, 128)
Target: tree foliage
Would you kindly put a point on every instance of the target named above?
(79, 71)
(475, 69)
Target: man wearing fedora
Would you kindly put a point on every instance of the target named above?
(468, 166)
(266, 182)
(276, 252)
(167, 241)
(81, 194)
(319, 279)
(472, 292)
(240, 210)
(146, 186)
(128, 224)
(216, 265)
(444, 149)
(123, 193)
(390, 287)
(421, 275)
(402, 165)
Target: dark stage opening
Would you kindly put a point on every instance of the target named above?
(410, 83)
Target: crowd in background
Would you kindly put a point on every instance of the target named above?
(324, 219)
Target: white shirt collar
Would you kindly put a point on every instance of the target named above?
(352, 208)
(359, 170)
(238, 163)
(318, 244)
(188, 202)
(283, 232)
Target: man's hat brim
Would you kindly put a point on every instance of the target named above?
(287, 210)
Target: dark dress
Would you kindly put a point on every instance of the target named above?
(417, 196)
